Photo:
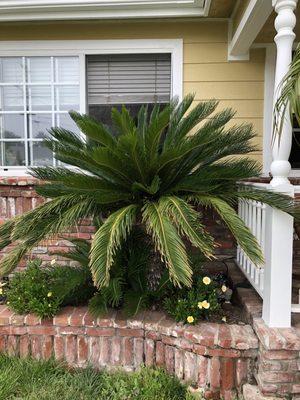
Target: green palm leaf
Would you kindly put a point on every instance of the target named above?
(242, 234)
(187, 221)
(108, 240)
(168, 243)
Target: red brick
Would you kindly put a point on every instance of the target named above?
(17, 319)
(204, 334)
(296, 388)
(35, 342)
(77, 317)
(138, 352)
(149, 352)
(47, 347)
(160, 354)
(70, 349)
(12, 345)
(70, 330)
(228, 353)
(5, 315)
(277, 376)
(169, 359)
(179, 363)
(3, 341)
(224, 337)
(59, 347)
(24, 346)
(153, 335)
(198, 349)
(94, 351)
(279, 354)
(63, 317)
(100, 331)
(202, 371)
(82, 349)
(41, 330)
(89, 320)
(131, 332)
(241, 373)
(105, 347)
(190, 367)
(215, 373)
(227, 373)
(127, 345)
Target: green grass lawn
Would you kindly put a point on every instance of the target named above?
(40, 380)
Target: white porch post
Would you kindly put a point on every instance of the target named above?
(279, 226)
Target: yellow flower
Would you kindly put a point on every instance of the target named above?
(224, 288)
(1, 291)
(206, 280)
(224, 319)
(200, 305)
(190, 319)
(49, 294)
(49, 305)
(53, 262)
(205, 304)
(7, 302)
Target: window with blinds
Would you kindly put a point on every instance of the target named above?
(129, 79)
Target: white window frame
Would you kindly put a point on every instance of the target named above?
(83, 48)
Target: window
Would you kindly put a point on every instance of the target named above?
(130, 79)
(35, 94)
(40, 81)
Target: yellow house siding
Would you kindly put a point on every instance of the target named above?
(206, 70)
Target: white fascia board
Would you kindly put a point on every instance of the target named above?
(251, 23)
(30, 10)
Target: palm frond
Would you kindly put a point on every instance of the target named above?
(276, 200)
(108, 240)
(168, 243)
(240, 231)
(94, 130)
(187, 221)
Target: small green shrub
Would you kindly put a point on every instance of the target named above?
(43, 291)
(199, 302)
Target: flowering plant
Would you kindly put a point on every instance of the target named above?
(199, 302)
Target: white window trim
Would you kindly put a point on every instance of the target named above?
(82, 48)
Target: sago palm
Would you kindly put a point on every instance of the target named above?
(155, 173)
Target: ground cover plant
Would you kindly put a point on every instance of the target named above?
(28, 379)
(43, 291)
(152, 175)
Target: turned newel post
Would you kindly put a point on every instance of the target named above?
(277, 293)
(284, 24)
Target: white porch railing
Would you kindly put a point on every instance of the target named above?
(272, 280)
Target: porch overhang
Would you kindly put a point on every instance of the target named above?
(37, 10)
(253, 19)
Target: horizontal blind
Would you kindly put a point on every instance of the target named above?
(128, 78)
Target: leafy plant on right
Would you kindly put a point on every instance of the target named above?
(199, 302)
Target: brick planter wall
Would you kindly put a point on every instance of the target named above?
(277, 370)
(217, 358)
